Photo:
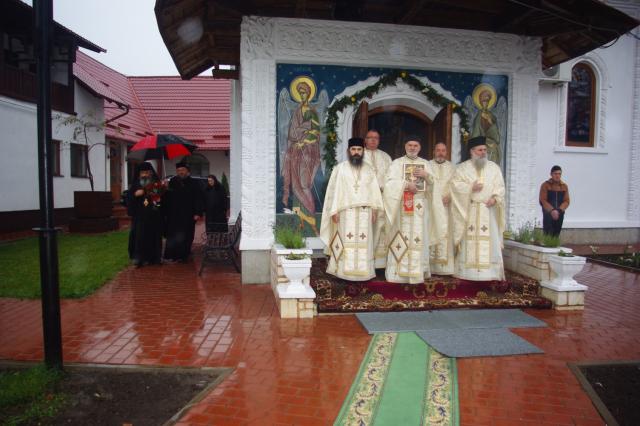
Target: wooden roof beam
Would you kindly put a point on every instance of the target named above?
(411, 11)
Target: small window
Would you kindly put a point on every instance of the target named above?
(199, 165)
(581, 107)
(78, 160)
(55, 154)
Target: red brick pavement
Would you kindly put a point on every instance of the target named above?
(299, 371)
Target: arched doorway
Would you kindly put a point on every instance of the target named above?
(397, 123)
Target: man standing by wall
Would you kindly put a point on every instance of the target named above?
(183, 207)
(351, 206)
(478, 215)
(379, 161)
(441, 251)
(554, 199)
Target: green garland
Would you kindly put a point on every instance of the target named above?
(389, 79)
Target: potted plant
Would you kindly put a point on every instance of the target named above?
(528, 249)
(564, 267)
(291, 254)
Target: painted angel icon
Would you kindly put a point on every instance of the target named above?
(488, 118)
(300, 143)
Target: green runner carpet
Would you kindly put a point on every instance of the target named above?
(402, 381)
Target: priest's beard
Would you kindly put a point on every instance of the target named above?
(355, 160)
(478, 161)
(145, 181)
(440, 160)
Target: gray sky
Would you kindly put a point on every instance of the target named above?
(127, 29)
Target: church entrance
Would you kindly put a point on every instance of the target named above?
(398, 123)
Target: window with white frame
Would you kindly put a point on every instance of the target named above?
(581, 107)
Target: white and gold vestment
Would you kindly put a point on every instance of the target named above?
(354, 195)
(478, 229)
(409, 224)
(379, 162)
(441, 254)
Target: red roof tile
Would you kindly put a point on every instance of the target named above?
(196, 109)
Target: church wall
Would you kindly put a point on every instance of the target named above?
(265, 42)
(19, 164)
(603, 180)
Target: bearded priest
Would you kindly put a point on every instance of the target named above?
(478, 215)
(411, 222)
(351, 206)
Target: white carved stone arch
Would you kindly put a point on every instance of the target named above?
(601, 73)
(402, 95)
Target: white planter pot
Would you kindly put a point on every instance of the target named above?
(563, 269)
(296, 272)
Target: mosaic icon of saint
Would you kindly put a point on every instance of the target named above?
(300, 147)
(489, 119)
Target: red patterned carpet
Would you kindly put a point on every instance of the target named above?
(438, 292)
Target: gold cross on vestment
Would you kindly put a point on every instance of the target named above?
(484, 228)
(349, 235)
(362, 236)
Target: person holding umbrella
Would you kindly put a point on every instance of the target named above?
(144, 201)
(183, 207)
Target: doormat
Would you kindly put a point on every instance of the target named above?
(463, 343)
(402, 381)
(390, 322)
(614, 389)
(438, 292)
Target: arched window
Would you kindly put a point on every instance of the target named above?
(199, 165)
(581, 110)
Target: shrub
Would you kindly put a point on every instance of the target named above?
(289, 237)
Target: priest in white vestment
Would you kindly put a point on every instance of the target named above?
(379, 162)
(407, 196)
(478, 215)
(441, 251)
(351, 207)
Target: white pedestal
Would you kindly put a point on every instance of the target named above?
(562, 289)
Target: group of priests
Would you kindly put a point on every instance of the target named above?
(414, 217)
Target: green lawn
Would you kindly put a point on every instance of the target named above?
(28, 396)
(86, 262)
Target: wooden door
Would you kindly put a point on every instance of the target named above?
(441, 130)
(115, 169)
(361, 121)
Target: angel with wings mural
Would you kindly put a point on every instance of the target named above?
(489, 119)
(300, 141)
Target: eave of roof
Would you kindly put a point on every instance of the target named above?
(568, 28)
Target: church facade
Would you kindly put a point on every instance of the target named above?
(400, 78)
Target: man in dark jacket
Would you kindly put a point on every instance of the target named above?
(144, 200)
(554, 199)
(183, 208)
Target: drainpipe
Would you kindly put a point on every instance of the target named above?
(106, 163)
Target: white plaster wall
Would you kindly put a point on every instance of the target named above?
(267, 41)
(599, 178)
(218, 163)
(19, 164)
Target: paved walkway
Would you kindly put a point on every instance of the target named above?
(299, 371)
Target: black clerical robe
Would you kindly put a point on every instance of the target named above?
(182, 201)
(145, 234)
(216, 206)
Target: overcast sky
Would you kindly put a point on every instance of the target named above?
(127, 29)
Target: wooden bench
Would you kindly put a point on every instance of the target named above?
(220, 245)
